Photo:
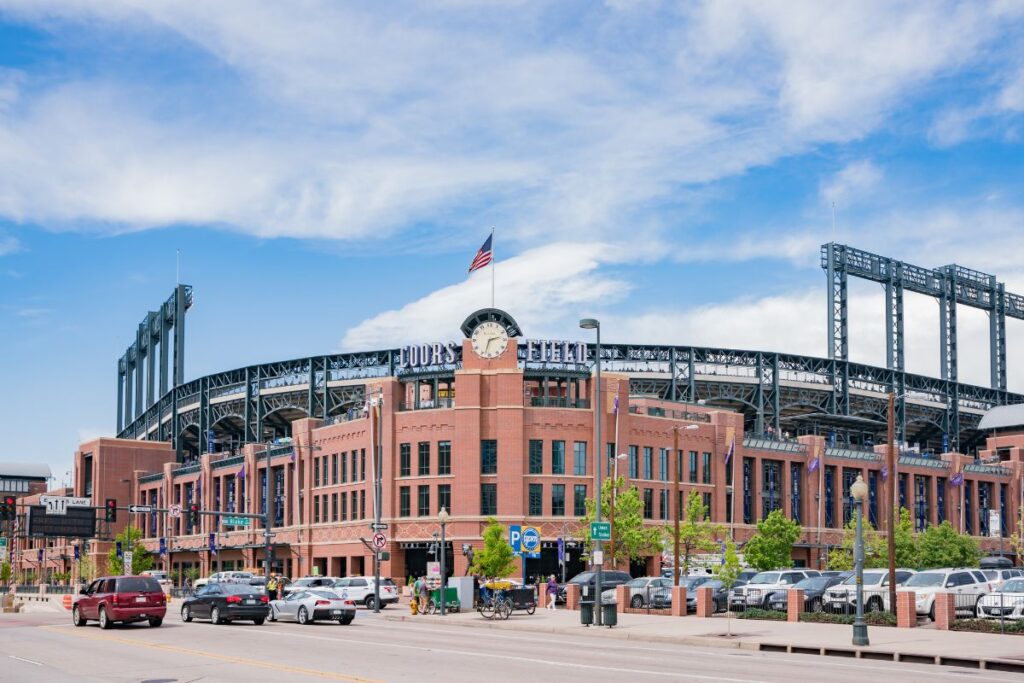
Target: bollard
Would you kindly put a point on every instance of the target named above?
(705, 602)
(679, 608)
(572, 596)
(622, 598)
(945, 610)
(794, 604)
(906, 609)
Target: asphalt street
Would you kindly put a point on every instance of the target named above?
(46, 647)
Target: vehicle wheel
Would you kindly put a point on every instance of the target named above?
(156, 621)
(105, 621)
(215, 616)
(874, 605)
(258, 622)
(186, 614)
(766, 605)
(816, 605)
(369, 602)
(637, 602)
(931, 612)
(303, 617)
(506, 610)
(76, 616)
(271, 615)
(345, 621)
(977, 602)
(532, 608)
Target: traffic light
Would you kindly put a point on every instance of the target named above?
(193, 514)
(8, 510)
(111, 510)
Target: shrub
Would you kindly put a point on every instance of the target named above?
(870, 618)
(988, 626)
(753, 613)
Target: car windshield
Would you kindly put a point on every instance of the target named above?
(387, 582)
(324, 594)
(585, 577)
(690, 581)
(812, 583)
(303, 582)
(767, 577)
(870, 579)
(239, 589)
(138, 584)
(1013, 586)
(924, 580)
(637, 583)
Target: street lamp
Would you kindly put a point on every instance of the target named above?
(677, 461)
(593, 324)
(442, 517)
(859, 491)
(611, 512)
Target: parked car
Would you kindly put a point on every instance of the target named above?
(969, 585)
(162, 579)
(120, 599)
(640, 590)
(1005, 602)
(843, 596)
(662, 599)
(230, 577)
(359, 589)
(719, 594)
(814, 588)
(585, 580)
(763, 584)
(308, 582)
(996, 577)
(307, 606)
(223, 603)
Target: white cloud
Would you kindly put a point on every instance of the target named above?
(9, 245)
(855, 180)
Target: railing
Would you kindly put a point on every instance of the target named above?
(187, 469)
(556, 402)
(992, 608)
(775, 445)
(348, 416)
(227, 462)
(427, 405)
(836, 601)
(150, 478)
(657, 411)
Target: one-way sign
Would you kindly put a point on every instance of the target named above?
(140, 508)
(378, 527)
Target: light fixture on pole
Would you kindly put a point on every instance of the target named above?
(859, 491)
(678, 462)
(442, 517)
(593, 324)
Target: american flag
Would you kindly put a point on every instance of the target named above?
(483, 257)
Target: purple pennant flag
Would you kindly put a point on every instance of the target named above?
(957, 479)
(885, 472)
(295, 449)
(241, 474)
(812, 466)
(732, 449)
(615, 406)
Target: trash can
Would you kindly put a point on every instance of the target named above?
(609, 614)
(587, 613)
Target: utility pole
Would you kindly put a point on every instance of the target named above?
(891, 465)
(376, 415)
(267, 535)
(675, 506)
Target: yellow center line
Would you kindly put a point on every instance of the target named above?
(329, 675)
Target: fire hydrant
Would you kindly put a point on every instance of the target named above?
(414, 607)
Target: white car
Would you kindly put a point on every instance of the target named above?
(359, 589)
(307, 582)
(996, 577)
(641, 590)
(228, 577)
(968, 585)
(762, 585)
(843, 597)
(1006, 602)
(305, 607)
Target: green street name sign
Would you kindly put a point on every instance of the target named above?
(601, 531)
(236, 521)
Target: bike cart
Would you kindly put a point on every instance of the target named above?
(504, 597)
(451, 600)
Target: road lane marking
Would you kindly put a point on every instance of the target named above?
(284, 668)
(29, 661)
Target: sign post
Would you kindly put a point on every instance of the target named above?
(600, 531)
(126, 560)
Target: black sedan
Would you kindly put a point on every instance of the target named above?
(719, 593)
(226, 602)
(814, 588)
(662, 598)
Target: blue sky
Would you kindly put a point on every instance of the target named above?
(328, 171)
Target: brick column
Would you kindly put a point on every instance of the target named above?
(679, 601)
(945, 610)
(622, 598)
(572, 596)
(794, 604)
(705, 602)
(906, 609)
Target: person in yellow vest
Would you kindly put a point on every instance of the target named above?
(272, 587)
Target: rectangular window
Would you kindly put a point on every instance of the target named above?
(579, 500)
(648, 462)
(830, 496)
(634, 462)
(334, 468)
(424, 460)
(771, 483)
(316, 509)
(849, 477)
(488, 499)
(968, 508)
(663, 464)
(536, 500)
(323, 467)
(706, 497)
(334, 507)
(344, 506)
(873, 498)
(316, 472)
(557, 457)
(444, 457)
(921, 508)
(355, 501)
(707, 468)
(903, 490)
(579, 458)
(693, 467)
(794, 491)
(405, 460)
(444, 497)
(536, 456)
(748, 485)
(648, 503)
(362, 464)
(404, 504)
(323, 503)
(355, 467)
(362, 504)
(609, 466)
(423, 499)
(488, 456)
(984, 498)
(558, 499)
(344, 467)
(663, 502)
(940, 500)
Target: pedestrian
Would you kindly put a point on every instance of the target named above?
(423, 594)
(272, 587)
(416, 593)
(552, 591)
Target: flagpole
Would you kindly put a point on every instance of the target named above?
(492, 267)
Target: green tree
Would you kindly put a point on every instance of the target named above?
(131, 539)
(841, 558)
(192, 573)
(696, 533)
(942, 546)
(495, 559)
(728, 573)
(904, 541)
(772, 546)
(633, 538)
(5, 573)
(86, 570)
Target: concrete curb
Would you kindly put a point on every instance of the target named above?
(981, 663)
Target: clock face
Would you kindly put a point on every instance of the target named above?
(489, 340)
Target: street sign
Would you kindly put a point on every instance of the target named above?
(174, 510)
(379, 541)
(3, 554)
(515, 538)
(3, 541)
(376, 526)
(58, 505)
(434, 570)
(127, 561)
(76, 522)
(530, 542)
(236, 521)
(140, 508)
(598, 557)
(995, 524)
(601, 531)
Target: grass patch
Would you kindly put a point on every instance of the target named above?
(754, 613)
(870, 618)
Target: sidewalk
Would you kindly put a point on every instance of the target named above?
(925, 646)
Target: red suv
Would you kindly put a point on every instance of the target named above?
(120, 598)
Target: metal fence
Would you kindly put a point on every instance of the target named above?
(838, 600)
(651, 598)
(993, 607)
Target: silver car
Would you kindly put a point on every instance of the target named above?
(308, 606)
